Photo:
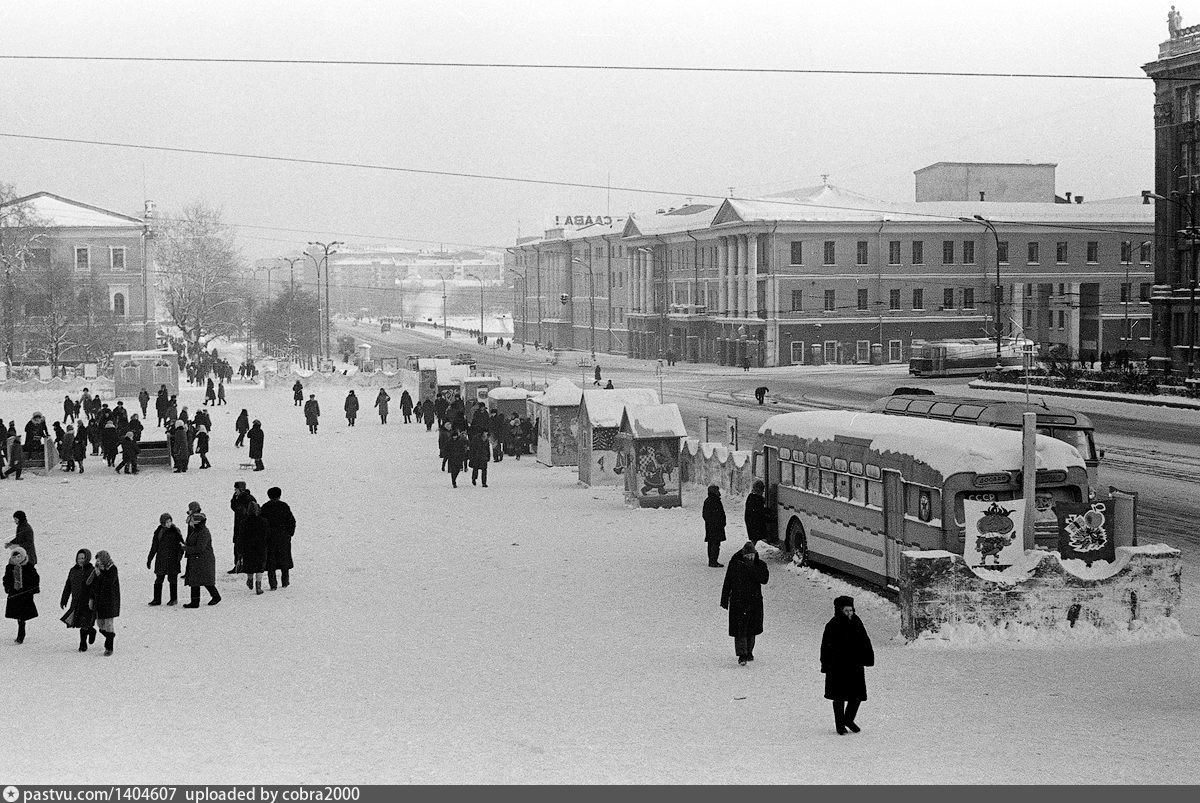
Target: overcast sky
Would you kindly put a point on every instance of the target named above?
(681, 133)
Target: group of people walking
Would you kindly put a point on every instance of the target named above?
(91, 596)
(845, 646)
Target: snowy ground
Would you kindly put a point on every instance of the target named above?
(534, 631)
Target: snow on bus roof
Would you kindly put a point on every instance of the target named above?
(946, 447)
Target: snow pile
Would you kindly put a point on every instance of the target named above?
(945, 447)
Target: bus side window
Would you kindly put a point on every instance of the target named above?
(858, 490)
(814, 481)
(826, 483)
(843, 486)
(787, 474)
(874, 493)
(801, 476)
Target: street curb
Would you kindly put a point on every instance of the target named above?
(1149, 401)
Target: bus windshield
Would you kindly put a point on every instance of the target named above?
(1078, 438)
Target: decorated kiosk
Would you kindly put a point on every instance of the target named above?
(510, 400)
(557, 414)
(599, 422)
(135, 370)
(649, 455)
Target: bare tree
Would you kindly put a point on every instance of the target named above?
(199, 274)
(51, 309)
(21, 231)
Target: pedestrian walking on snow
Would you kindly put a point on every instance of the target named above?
(239, 503)
(714, 525)
(456, 453)
(281, 527)
(381, 403)
(210, 393)
(202, 443)
(406, 407)
(760, 393)
(144, 401)
(351, 408)
(106, 597)
(479, 450)
(845, 652)
(23, 537)
(428, 414)
(166, 557)
(78, 594)
(242, 425)
(21, 582)
(129, 455)
(201, 571)
(252, 546)
(257, 436)
(741, 595)
(312, 413)
(221, 393)
(596, 374)
(297, 394)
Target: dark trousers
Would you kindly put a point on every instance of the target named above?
(454, 470)
(241, 439)
(383, 418)
(714, 553)
(475, 472)
(128, 464)
(408, 418)
(497, 451)
(283, 577)
(844, 712)
(212, 593)
(172, 584)
(744, 647)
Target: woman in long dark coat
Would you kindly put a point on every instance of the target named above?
(479, 449)
(444, 443)
(109, 442)
(456, 454)
(80, 446)
(79, 594)
(166, 552)
(252, 546)
(845, 651)
(24, 536)
(281, 526)
(201, 568)
(351, 407)
(181, 447)
(741, 595)
(106, 597)
(257, 437)
(21, 582)
(714, 525)
(242, 425)
(756, 513)
(428, 414)
(406, 406)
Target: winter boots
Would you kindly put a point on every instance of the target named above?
(109, 637)
(83, 639)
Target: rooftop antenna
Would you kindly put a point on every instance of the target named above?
(825, 179)
(731, 191)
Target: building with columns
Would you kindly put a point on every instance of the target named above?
(824, 275)
(1176, 74)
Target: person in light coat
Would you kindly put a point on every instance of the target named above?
(381, 404)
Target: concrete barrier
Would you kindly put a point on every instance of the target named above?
(937, 588)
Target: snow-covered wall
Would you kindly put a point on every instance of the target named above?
(705, 464)
(938, 589)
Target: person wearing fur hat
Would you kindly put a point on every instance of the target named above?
(845, 651)
(714, 525)
(252, 547)
(181, 448)
(257, 436)
(166, 552)
(351, 407)
(757, 527)
(106, 597)
(23, 537)
(129, 454)
(741, 595)
(81, 444)
(78, 593)
(456, 454)
(201, 571)
(281, 526)
(66, 448)
(202, 446)
(312, 413)
(21, 582)
(109, 442)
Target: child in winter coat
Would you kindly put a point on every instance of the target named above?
(21, 582)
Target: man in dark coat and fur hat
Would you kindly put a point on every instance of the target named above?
(741, 595)
(845, 651)
(714, 525)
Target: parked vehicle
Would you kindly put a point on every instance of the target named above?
(969, 356)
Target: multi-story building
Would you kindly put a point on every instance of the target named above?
(75, 278)
(826, 275)
(1176, 184)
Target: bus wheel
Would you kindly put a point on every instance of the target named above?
(797, 541)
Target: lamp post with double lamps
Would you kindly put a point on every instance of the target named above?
(998, 290)
(328, 248)
(591, 302)
(1191, 233)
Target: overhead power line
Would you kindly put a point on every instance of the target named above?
(493, 65)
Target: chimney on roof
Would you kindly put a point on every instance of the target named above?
(1078, 199)
(1068, 197)
(981, 195)
(660, 211)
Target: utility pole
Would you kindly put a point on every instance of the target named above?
(473, 276)
(328, 248)
(998, 290)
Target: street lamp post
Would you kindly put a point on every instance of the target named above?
(445, 331)
(524, 277)
(480, 280)
(998, 290)
(591, 301)
(328, 248)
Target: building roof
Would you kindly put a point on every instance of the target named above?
(653, 421)
(561, 393)
(603, 408)
(696, 216)
(986, 164)
(60, 212)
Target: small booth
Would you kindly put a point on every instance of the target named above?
(509, 400)
(134, 370)
(364, 357)
(557, 414)
(427, 377)
(599, 422)
(649, 455)
(475, 389)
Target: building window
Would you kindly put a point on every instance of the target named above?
(1062, 320)
(894, 252)
(797, 352)
(1125, 286)
(1126, 252)
(830, 253)
(968, 252)
(1050, 319)
(895, 350)
(893, 299)
(1028, 318)
(862, 299)
(797, 300)
(116, 259)
(82, 263)
(1060, 253)
(1144, 255)
(948, 298)
(1182, 105)
(1093, 252)
(119, 305)
(1002, 252)
(1034, 257)
(1062, 289)
(968, 298)
(918, 252)
(1144, 292)
(830, 300)
(947, 252)
(797, 252)
(918, 299)
(862, 254)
